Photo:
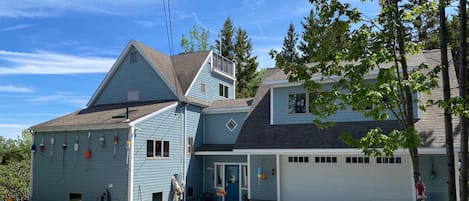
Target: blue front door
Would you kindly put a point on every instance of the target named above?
(232, 182)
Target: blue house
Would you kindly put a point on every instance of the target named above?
(157, 118)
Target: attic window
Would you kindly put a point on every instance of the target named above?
(133, 95)
(231, 125)
(133, 57)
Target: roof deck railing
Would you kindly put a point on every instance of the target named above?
(223, 65)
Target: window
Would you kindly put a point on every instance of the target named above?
(298, 159)
(355, 159)
(150, 148)
(231, 125)
(190, 145)
(297, 103)
(133, 57)
(74, 197)
(157, 148)
(244, 176)
(157, 196)
(325, 159)
(202, 88)
(219, 175)
(388, 160)
(223, 90)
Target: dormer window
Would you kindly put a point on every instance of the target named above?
(223, 90)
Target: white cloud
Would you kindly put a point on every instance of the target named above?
(61, 97)
(51, 8)
(12, 88)
(51, 63)
(17, 27)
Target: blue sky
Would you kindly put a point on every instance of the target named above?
(54, 53)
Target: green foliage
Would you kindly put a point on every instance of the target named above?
(15, 167)
(289, 54)
(195, 39)
(341, 46)
(225, 44)
(246, 65)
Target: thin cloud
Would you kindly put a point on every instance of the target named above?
(65, 98)
(51, 63)
(16, 27)
(13, 126)
(146, 23)
(15, 89)
(52, 8)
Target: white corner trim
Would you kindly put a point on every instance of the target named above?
(200, 70)
(277, 156)
(141, 119)
(131, 163)
(110, 74)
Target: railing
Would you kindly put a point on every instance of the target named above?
(223, 64)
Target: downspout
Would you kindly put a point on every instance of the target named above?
(130, 144)
(31, 169)
(184, 148)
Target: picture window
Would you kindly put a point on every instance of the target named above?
(157, 148)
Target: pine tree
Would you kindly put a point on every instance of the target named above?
(225, 46)
(289, 45)
(246, 65)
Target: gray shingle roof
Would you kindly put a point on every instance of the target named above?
(187, 66)
(231, 103)
(103, 115)
(257, 133)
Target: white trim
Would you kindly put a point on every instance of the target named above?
(249, 175)
(131, 163)
(271, 106)
(184, 150)
(277, 171)
(427, 150)
(423, 150)
(81, 127)
(223, 73)
(198, 73)
(141, 119)
(226, 110)
(217, 153)
(110, 74)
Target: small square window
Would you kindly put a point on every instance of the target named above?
(295, 159)
(398, 159)
(300, 159)
(323, 159)
(328, 159)
(360, 159)
(306, 159)
(231, 125)
(133, 95)
(385, 160)
(157, 196)
(334, 159)
(133, 57)
(391, 160)
(290, 159)
(316, 159)
(74, 197)
(367, 160)
(354, 159)
(378, 160)
(202, 88)
(348, 160)
(158, 148)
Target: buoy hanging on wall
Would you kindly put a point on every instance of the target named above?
(64, 147)
(88, 151)
(76, 146)
(52, 142)
(115, 141)
(41, 146)
(33, 148)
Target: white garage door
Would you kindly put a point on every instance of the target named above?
(345, 177)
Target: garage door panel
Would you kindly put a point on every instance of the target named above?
(345, 181)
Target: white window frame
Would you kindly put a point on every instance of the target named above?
(241, 177)
(202, 88)
(225, 89)
(307, 102)
(235, 125)
(162, 156)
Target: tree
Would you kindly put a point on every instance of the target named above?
(447, 95)
(246, 65)
(289, 54)
(225, 45)
(462, 93)
(15, 167)
(195, 40)
(347, 55)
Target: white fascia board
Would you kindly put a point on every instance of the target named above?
(217, 153)
(428, 150)
(81, 127)
(226, 110)
(223, 74)
(141, 119)
(110, 74)
(330, 79)
(200, 70)
(307, 151)
(165, 79)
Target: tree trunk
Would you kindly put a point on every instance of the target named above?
(462, 93)
(409, 103)
(447, 95)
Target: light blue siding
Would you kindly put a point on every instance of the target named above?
(134, 76)
(437, 188)
(216, 131)
(154, 175)
(62, 172)
(209, 168)
(194, 163)
(281, 115)
(211, 81)
(263, 189)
